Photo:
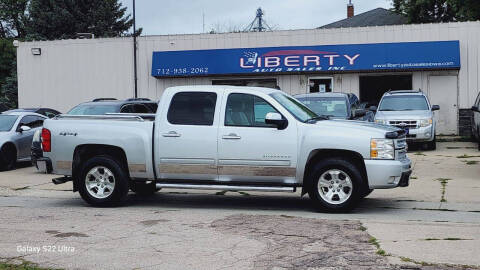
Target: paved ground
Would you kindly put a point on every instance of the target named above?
(428, 222)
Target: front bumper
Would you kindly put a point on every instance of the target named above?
(422, 134)
(388, 173)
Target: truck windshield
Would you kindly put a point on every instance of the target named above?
(295, 107)
(93, 109)
(403, 103)
(329, 106)
(7, 122)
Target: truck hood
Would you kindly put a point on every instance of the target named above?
(403, 115)
(367, 126)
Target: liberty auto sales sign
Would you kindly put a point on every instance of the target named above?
(308, 59)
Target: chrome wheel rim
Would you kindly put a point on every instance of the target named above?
(335, 186)
(100, 182)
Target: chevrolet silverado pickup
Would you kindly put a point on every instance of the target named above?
(225, 138)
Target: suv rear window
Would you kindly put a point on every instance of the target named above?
(403, 103)
(93, 109)
(192, 108)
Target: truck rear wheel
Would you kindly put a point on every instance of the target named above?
(103, 182)
(336, 185)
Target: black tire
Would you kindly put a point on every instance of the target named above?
(121, 179)
(142, 188)
(358, 185)
(433, 144)
(478, 136)
(367, 192)
(8, 157)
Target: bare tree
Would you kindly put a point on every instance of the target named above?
(225, 27)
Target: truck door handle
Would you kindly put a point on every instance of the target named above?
(231, 136)
(171, 134)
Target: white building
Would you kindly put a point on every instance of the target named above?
(443, 61)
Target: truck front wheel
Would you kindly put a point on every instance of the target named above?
(335, 185)
(103, 182)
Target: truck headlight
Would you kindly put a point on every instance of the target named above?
(426, 122)
(381, 121)
(382, 149)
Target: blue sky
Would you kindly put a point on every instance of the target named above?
(159, 17)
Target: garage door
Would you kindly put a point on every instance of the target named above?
(442, 90)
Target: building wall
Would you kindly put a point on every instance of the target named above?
(71, 71)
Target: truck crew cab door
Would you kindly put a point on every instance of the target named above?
(249, 150)
(186, 136)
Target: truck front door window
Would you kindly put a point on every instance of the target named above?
(192, 108)
(245, 110)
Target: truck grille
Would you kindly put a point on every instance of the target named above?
(404, 123)
(401, 148)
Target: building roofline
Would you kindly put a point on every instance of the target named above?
(276, 32)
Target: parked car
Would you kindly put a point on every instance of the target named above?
(16, 133)
(50, 113)
(411, 111)
(102, 106)
(337, 106)
(476, 120)
(225, 138)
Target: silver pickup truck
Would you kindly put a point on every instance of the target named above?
(225, 138)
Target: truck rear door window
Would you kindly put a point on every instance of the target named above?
(192, 108)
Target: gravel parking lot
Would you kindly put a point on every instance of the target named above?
(432, 224)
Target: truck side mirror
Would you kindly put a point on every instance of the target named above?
(475, 109)
(373, 108)
(435, 107)
(276, 119)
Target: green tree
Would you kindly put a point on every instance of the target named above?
(9, 89)
(432, 11)
(13, 18)
(56, 19)
(7, 58)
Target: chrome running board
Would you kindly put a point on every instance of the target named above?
(226, 187)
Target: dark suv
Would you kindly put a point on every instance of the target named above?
(102, 106)
(476, 120)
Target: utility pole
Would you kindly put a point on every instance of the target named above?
(135, 52)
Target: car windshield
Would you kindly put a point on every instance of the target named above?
(403, 103)
(295, 107)
(328, 106)
(93, 109)
(7, 122)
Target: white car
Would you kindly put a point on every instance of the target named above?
(225, 138)
(411, 111)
